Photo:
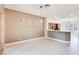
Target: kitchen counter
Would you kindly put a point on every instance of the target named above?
(61, 35)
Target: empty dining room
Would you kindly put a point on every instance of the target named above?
(39, 29)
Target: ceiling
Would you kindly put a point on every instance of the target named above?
(55, 10)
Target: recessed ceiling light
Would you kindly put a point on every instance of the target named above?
(72, 14)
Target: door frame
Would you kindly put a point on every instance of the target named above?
(2, 41)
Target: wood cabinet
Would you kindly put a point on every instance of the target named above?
(54, 26)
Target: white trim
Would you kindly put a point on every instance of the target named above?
(18, 42)
(58, 40)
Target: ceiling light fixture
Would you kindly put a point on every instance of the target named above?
(42, 7)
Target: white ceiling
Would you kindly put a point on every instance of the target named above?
(55, 10)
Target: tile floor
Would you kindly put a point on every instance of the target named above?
(41, 47)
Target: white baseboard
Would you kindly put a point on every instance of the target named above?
(58, 40)
(18, 42)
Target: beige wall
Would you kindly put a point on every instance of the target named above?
(22, 26)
